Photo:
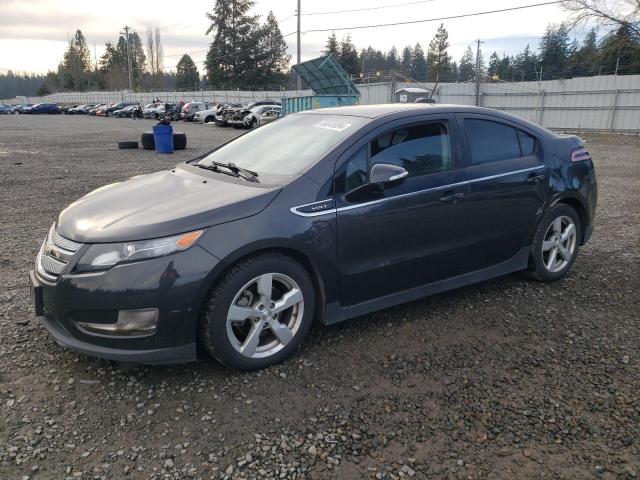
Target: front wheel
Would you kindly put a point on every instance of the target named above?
(258, 313)
(555, 244)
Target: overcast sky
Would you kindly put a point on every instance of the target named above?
(34, 33)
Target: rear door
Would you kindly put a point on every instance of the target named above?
(507, 187)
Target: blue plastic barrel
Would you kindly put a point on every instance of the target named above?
(163, 138)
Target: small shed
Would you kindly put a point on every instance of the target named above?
(411, 94)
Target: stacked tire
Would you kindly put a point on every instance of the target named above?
(179, 141)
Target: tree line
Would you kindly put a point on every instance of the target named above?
(558, 56)
(247, 53)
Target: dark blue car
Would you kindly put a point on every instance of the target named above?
(319, 217)
(48, 108)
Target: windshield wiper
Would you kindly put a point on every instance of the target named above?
(232, 169)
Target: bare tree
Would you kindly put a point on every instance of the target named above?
(616, 13)
(151, 52)
(160, 52)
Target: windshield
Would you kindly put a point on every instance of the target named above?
(288, 146)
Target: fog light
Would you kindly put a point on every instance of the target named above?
(130, 322)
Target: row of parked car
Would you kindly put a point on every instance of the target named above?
(236, 115)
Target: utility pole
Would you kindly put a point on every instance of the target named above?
(126, 34)
(299, 80)
(478, 42)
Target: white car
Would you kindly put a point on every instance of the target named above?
(208, 115)
(155, 110)
(261, 115)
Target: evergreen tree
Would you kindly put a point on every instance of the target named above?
(586, 59)
(332, 46)
(621, 47)
(187, 76)
(524, 65)
(405, 62)
(494, 64)
(76, 63)
(467, 69)
(555, 51)
(392, 61)
(348, 57)
(272, 59)
(438, 60)
(418, 64)
(230, 59)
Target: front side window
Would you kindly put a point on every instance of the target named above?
(420, 149)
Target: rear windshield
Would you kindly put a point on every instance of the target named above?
(288, 146)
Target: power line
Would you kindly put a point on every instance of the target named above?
(380, 7)
(452, 17)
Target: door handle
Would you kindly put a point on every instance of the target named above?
(535, 179)
(450, 197)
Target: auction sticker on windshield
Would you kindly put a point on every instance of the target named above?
(336, 125)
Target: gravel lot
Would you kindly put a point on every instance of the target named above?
(505, 379)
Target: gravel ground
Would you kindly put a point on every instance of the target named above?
(505, 379)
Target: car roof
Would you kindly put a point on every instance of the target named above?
(401, 110)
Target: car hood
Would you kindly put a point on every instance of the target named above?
(160, 204)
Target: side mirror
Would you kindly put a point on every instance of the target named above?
(385, 173)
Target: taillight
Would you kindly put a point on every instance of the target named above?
(580, 155)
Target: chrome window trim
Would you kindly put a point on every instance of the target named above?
(295, 210)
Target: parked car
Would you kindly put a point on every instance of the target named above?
(157, 110)
(226, 113)
(256, 116)
(108, 111)
(209, 115)
(24, 108)
(5, 109)
(238, 251)
(81, 109)
(126, 112)
(191, 108)
(44, 108)
(94, 110)
(64, 109)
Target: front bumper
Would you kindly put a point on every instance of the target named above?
(175, 284)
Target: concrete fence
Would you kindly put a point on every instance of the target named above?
(603, 103)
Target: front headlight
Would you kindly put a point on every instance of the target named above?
(102, 256)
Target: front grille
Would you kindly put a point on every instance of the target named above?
(55, 254)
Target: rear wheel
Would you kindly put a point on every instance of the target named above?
(555, 244)
(258, 312)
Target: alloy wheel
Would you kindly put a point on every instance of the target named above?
(559, 244)
(265, 315)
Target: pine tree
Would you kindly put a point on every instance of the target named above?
(405, 62)
(418, 64)
(555, 52)
(332, 46)
(438, 60)
(272, 59)
(525, 65)
(586, 59)
(236, 33)
(392, 61)
(76, 63)
(466, 70)
(187, 76)
(494, 65)
(348, 57)
(621, 47)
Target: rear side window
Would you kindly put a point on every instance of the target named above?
(527, 143)
(421, 149)
(491, 141)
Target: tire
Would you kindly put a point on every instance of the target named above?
(147, 141)
(554, 249)
(208, 119)
(179, 141)
(127, 145)
(226, 339)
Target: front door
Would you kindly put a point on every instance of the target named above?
(409, 232)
